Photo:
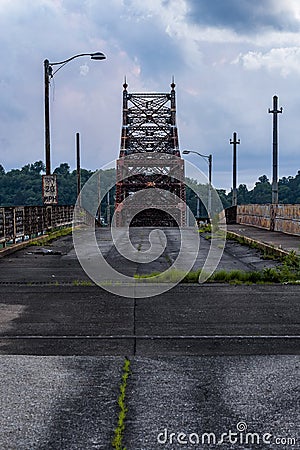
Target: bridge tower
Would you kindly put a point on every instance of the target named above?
(150, 157)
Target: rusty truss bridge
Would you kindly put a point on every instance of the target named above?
(150, 160)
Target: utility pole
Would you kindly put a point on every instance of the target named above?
(234, 142)
(108, 209)
(275, 111)
(78, 167)
(47, 75)
(209, 183)
(198, 207)
(99, 198)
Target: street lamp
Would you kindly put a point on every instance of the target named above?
(48, 74)
(208, 159)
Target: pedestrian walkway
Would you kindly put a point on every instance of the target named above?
(276, 239)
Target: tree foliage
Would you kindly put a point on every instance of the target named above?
(288, 191)
(24, 187)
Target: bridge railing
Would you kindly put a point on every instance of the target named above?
(18, 223)
(281, 217)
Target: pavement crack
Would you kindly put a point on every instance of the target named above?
(117, 442)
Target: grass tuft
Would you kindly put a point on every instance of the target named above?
(117, 442)
(51, 237)
(287, 272)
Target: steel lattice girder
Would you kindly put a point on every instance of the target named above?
(149, 155)
(149, 123)
(161, 171)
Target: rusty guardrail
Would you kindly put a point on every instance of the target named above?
(18, 223)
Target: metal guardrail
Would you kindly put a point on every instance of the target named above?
(18, 223)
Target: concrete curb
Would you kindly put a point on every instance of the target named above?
(269, 249)
(15, 247)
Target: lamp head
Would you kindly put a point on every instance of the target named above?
(98, 56)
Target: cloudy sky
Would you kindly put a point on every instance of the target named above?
(228, 57)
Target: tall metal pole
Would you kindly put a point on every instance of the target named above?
(275, 111)
(198, 207)
(108, 209)
(78, 166)
(47, 74)
(209, 168)
(209, 182)
(234, 142)
(209, 160)
(99, 198)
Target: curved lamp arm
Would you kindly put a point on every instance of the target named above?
(207, 158)
(48, 73)
(48, 65)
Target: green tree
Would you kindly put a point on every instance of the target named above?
(37, 167)
(24, 187)
(262, 192)
(242, 194)
(63, 170)
(225, 199)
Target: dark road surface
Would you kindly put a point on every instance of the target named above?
(187, 320)
(58, 262)
(204, 358)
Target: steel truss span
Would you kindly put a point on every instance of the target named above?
(150, 159)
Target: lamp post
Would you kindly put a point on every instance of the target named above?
(78, 169)
(48, 74)
(208, 159)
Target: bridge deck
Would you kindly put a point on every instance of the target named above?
(203, 358)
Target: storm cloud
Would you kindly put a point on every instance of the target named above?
(243, 16)
(228, 57)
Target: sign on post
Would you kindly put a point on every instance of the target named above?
(49, 189)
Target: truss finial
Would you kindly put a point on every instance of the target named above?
(173, 83)
(125, 85)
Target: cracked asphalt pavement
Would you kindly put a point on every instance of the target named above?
(204, 358)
